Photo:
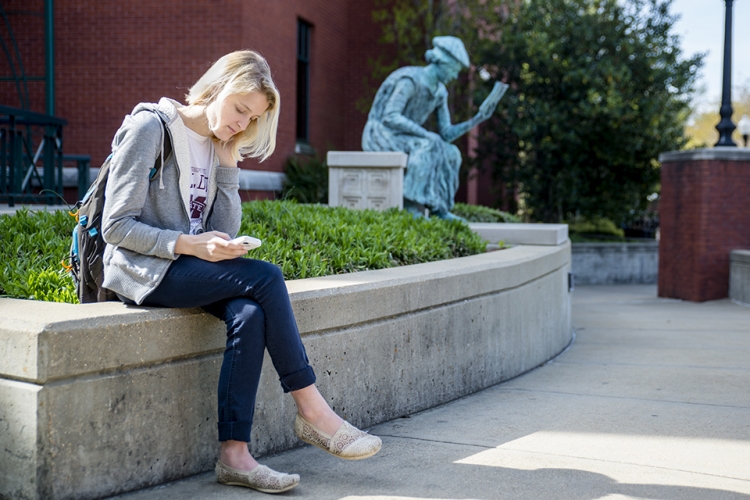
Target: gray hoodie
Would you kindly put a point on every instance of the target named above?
(142, 218)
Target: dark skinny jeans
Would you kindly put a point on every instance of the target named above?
(252, 299)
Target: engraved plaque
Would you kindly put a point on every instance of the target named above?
(352, 202)
(351, 182)
(379, 182)
(378, 203)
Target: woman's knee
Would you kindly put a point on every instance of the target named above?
(254, 270)
(244, 314)
(271, 271)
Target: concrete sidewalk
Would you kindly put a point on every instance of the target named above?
(651, 401)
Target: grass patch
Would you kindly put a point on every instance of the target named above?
(317, 240)
(34, 245)
(304, 240)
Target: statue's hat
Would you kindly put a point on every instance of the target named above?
(453, 46)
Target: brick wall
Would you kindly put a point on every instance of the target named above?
(28, 31)
(704, 214)
(112, 55)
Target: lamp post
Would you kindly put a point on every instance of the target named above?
(725, 126)
(744, 127)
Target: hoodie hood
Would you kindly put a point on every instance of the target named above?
(166, 110)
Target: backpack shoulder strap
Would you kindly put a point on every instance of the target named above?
(164, 154)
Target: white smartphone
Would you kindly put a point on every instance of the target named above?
(248, 242)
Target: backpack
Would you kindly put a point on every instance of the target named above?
(86, 265)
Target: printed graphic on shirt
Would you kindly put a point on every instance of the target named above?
(201, 156)
(198, 196)
(197, 206)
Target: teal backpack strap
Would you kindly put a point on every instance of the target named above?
(165, 152)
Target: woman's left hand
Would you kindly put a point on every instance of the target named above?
(224, 153)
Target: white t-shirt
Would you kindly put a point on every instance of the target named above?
(201, 158)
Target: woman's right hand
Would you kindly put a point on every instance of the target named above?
(224, 153)
(212, 246)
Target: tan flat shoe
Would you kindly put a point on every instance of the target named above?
(348, 442)
(260, 478)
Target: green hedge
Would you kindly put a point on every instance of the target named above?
(595, 226)
(478, 213)
(304, 240)
(34, 246)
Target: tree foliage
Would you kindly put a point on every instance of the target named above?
(408, 27)
(599, 89)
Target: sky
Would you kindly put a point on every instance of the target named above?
(701, 28)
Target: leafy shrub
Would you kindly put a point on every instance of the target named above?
(34, 244)
(304, 240)
(595, 226)
(478, 213)
(306, 180)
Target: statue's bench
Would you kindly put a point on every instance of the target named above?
(99, 399)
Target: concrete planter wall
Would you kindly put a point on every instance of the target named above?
(739, 276)
(615, 263)
(101, 399)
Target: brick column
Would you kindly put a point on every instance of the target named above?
(704, 214)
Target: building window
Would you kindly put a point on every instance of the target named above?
(303, 81)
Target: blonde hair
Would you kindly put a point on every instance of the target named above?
(242, 72)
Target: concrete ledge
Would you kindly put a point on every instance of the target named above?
(369, 159)
(717, 153)
(522, 234)
(253, 180)
(739, 277)
(261, 180)
(615, 263)
(100, 399)
(741, 256)
(6, 210)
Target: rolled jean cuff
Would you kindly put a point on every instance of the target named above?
(298, 380)
(235, 431)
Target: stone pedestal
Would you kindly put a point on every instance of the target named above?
(739, 277)
(704, 214)
(358, 179)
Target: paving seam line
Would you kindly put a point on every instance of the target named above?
(669, 401)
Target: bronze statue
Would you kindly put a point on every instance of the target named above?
(402, 105)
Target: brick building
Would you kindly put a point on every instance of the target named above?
(110, 55)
